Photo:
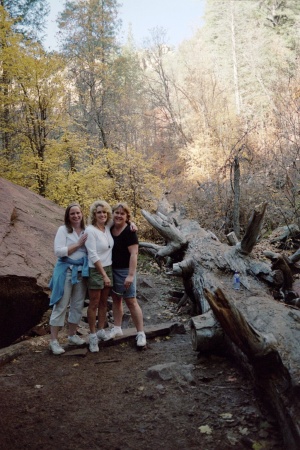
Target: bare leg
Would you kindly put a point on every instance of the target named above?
(94, 296)
(117, 310)
(136, 313)
(72, 328)
(102, 309)
(54, 332)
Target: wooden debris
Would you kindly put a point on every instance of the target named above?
(163, 329)
(80, 351)
(253, 229)
(263, 362)
(104, 361)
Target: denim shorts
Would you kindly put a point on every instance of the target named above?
(119, 276)
(95, 280)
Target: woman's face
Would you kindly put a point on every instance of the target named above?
(101, 215)
(120, 216)
(75, 216)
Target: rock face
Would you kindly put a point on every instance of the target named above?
(28, 226)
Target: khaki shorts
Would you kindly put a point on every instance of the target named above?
(96, 281)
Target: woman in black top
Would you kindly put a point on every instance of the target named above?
(124, 264)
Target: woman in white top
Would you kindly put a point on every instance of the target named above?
(67, 283)
(99, 245)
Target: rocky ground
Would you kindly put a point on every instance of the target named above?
(166, 396)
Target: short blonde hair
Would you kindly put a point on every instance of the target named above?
(93, 208)
(126, 209)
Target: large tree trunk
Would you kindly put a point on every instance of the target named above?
(249, 318)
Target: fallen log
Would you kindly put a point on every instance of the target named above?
(206, 333)
(266, 366)
(204, 262)
(234, 324)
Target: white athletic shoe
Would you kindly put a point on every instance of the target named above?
(56, 348)
(103, 336)
(115, 331)
(141, 339)
(75, 340)
(93, 343)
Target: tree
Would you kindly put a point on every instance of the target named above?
(134, 178)
(37, 106)
(28, 16)
(24, 18)
(88, 40)
(9, 43)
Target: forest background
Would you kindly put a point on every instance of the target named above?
(213, 125)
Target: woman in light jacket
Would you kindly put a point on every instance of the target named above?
(68, 283)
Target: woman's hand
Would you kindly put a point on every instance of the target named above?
(133, 226)
(128, 281)
(82, 240)
(106, 280)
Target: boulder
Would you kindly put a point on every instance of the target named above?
(28, 226)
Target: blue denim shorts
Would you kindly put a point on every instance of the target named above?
(119, 276)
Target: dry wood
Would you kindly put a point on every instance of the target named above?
(253, 229)
(7, 354)
(176, 240)
(206, 333)
(271, 376)
(232, 238)
(104, 361)
(281, 263)
(294, 257)
(204, 262)
(249, 340)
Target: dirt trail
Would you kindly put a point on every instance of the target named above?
(111, 400)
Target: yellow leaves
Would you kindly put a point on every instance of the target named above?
(133, 176)
(205, 429)
(257, 446)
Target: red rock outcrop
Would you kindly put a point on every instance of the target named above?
(28, 223)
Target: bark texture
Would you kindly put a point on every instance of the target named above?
(259, 331)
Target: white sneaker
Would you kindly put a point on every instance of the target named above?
(103, 336)
(115, 331)
(93, 343)
(141, 339)
(56, 348)
(75, 340)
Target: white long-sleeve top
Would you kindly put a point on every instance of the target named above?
(99, 246)
(63, 239)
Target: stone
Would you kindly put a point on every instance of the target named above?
(28, 226)
(169, 371)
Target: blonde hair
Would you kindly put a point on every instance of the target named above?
(93, 208)
(126, 209)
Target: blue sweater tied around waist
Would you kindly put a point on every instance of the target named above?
(58, 279)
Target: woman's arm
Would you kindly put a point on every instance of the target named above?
(81, 241)
(133, 250)
(91, 247)
(61, 248)
(133, 226)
